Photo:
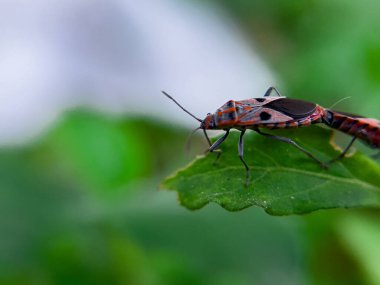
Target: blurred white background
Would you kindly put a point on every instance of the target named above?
(118, 55)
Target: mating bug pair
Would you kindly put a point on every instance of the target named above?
(279, 112)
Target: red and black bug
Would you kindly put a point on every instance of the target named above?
(279, 112)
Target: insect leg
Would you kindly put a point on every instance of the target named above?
(343, 152)
(293, 143)
(270, 90)
(241, 153)
(218, 143)
(207, 138)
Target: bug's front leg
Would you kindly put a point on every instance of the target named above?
(207, 138)
(293, 143)
(241, 156)
(216, 144)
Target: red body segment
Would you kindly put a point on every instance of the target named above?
(366, 129)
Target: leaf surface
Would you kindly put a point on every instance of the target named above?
(284, 180)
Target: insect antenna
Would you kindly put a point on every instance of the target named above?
(179, 105)
(339, 101)
(188, 141)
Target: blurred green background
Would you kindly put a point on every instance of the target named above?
(79, 204)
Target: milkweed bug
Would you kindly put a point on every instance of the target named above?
(279, 112)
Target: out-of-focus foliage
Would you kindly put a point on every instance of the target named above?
(62, 225)
(284, 180)
(360, 236)
(56, 194)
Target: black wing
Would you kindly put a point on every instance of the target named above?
(292, 107)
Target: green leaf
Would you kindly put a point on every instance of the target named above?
(284, 181)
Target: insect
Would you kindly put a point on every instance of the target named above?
(279, 112)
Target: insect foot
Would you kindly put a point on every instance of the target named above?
(218, 154)
(325, 165)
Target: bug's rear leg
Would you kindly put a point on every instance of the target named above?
(214, 147)
(293, 143)
(342, 155)
(241, 156)
(270, 90)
